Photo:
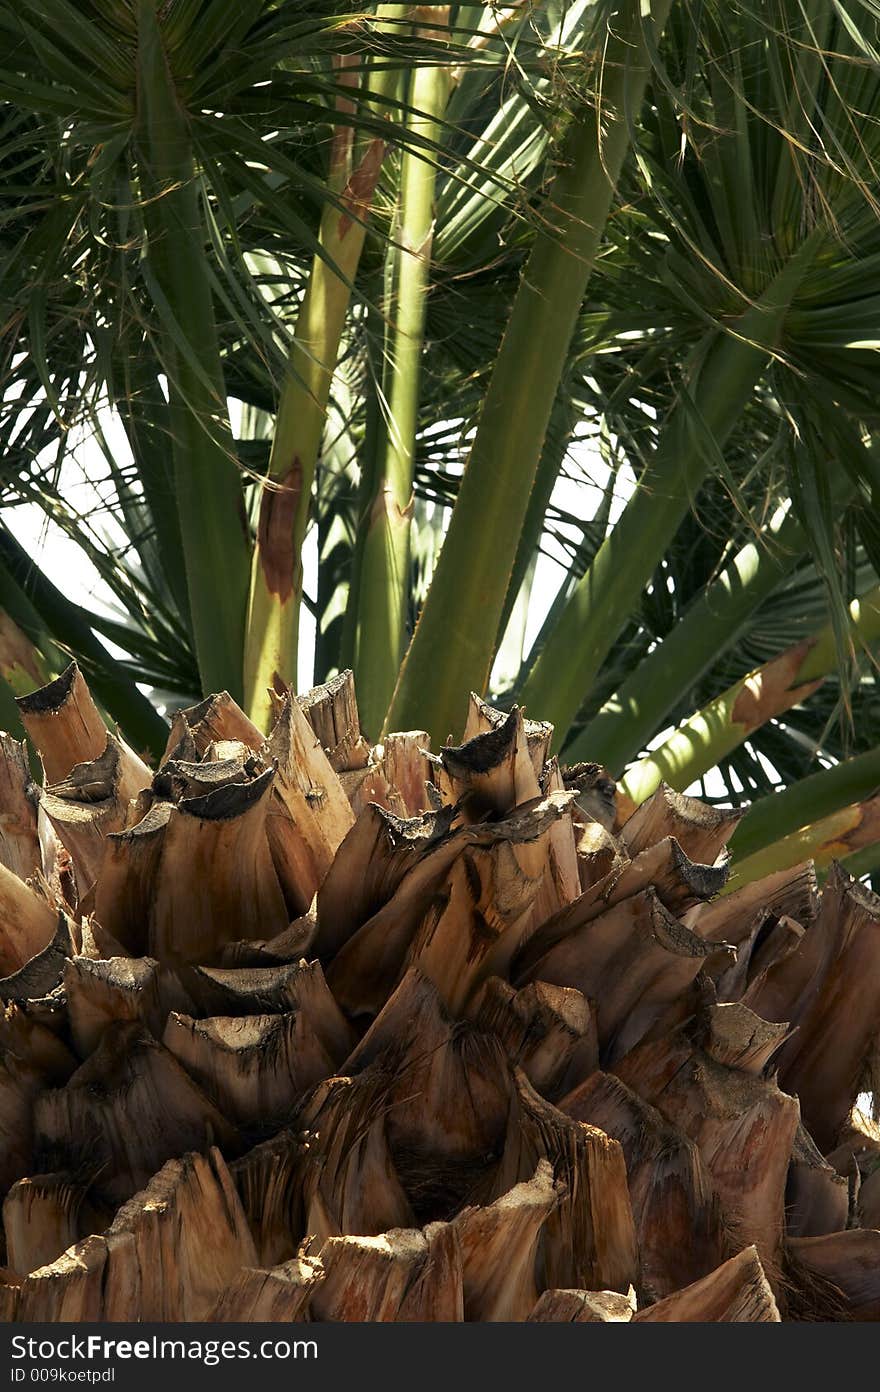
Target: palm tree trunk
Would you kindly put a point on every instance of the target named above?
(557, 1108)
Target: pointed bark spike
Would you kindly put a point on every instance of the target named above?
(20, 849)
(589, 1240)
(701, 831)
(20, 1086)
(291, 945)
(28, 924)
(491, 773)
(268, 1181)
(408, 769)
(293, 986)
(842, 1266)
(168, 1254)
(816, 1196)
(255, 1068)
(370, 964)
(792, 893)
(270, 1295)
(744, 1128)
(473, 927)
(350, 1184)
(214, 881)
(736, 1292)
(547, 1031)
(368, 786)
(739, 1038)
(42, 1217)
(370, 864)
(318, 813)
(103, 993)
(676, 1211)
(126, 1110)
(27, 1039)
(400, 1275)
(218, 717)
(447, 1089)
(64, 724)
(840, 1002)
(331, 710)
(499, 1248)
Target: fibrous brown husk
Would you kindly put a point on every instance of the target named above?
(675, 1206)
(20, 847)
(584, 1307)
(402, 1275)
(168, 1254)
(270, 1295)
(343, 1032)
(736, 1292)
(127, 1109)
(744, 1128)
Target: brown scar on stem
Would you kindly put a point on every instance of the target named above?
(275, 530)
(771, 689)
(857, 827)
(384, 505)
(343, 136)
(433, 20)
(358, 192)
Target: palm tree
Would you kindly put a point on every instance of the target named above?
(327, 328)
(424, 249)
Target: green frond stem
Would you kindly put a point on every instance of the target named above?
(207, 478)
(55, 628)
(10, 721)
(553, 453)
(22, 668)
(711, 625)
(728, 365)
(272, 635)
(863, 862)
(144, 413)
(824, 793)
(463, 608)
(382, 594)
(842, 835)
(721, 726)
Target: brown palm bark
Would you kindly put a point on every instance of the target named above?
(299, 1028)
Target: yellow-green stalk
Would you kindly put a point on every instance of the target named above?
(721, 726)
(840, 835)
(276, 572)
(383, 589)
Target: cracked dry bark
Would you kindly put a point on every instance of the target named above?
(272, 1050)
